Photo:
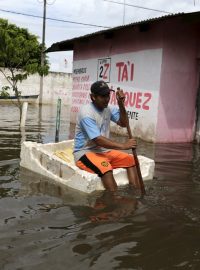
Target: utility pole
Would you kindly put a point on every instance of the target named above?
(42, 52)
(124, 13)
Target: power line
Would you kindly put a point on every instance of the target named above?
(163, 11)
(52, 19)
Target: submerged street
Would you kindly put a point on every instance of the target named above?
(46, 226)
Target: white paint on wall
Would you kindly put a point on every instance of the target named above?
(137, 73)
(57, 85)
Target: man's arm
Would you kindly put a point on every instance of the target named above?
(122, 112)
(110, 144)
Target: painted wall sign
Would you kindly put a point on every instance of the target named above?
(137, 73)
(103, 69)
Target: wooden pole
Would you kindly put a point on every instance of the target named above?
(137, 164)
(24, 113)
(58, 120)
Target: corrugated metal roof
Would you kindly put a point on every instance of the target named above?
(67, 45)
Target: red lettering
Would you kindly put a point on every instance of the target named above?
(138, 100)
(132, 71)
(119, 65)
(74, 109)
(148, 97)
(125, 73)
(126, 99)
(106, 66)
(113, 99)
(132, 99)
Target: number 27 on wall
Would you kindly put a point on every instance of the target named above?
(103, 69)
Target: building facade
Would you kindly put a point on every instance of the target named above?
(156, 62)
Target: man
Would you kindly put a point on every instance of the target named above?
(93, 150)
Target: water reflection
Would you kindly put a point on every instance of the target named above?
(101, 206)
(46, 226)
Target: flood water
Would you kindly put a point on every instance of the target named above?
(45, 226)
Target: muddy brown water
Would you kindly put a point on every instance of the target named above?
(46, 226)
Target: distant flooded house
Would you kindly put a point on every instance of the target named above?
(157, 64)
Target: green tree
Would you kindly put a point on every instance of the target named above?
(20, 55)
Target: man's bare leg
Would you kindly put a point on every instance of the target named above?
(133, 177)
(109, 181)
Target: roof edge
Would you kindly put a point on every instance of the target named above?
(67, 45)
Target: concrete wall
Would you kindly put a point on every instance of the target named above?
(55, 85)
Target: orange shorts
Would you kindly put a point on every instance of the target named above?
(100, 163)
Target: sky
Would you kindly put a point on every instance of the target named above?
(66, 19)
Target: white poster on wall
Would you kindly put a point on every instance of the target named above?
(137, 73)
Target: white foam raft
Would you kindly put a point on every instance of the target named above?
(43, 159)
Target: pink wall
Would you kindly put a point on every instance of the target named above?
(176, 117)
(126, 40)
(178, 82)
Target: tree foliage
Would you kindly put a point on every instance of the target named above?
(20, 50)
(20, 54)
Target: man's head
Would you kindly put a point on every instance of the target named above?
(100, 88)
(100, 94)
